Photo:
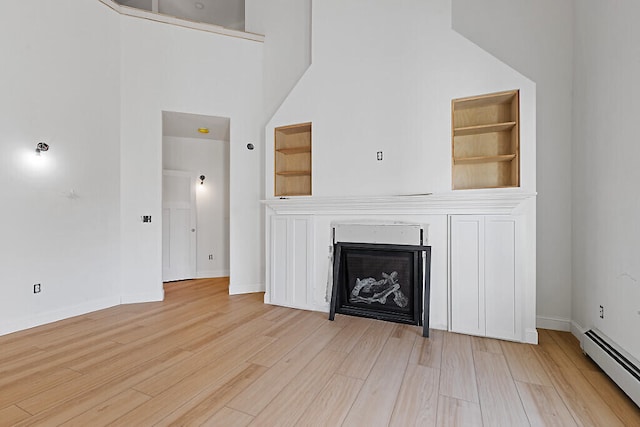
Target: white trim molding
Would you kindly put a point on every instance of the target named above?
(56, 315)
(553, 323)
(478, 203)
(531, 336)
(246, 289)
(140, 298)
(212, 274)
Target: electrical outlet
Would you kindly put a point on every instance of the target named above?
(379, 155)
(36, 288)
(210, 257)
(601, 312)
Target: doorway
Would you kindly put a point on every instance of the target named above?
(196, 148)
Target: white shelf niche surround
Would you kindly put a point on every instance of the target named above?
(299, 244)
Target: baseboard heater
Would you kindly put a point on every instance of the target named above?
(621, 367)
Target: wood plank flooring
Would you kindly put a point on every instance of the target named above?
(202, 357)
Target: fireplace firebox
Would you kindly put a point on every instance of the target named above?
(382, 281)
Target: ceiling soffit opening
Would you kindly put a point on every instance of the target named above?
(225, 13)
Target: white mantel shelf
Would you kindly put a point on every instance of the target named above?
(490, 203)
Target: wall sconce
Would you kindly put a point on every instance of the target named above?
(41, 147)
(202, 179)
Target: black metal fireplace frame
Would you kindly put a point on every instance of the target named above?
(421, 266)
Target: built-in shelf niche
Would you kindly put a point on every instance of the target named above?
(486, 141)
(293, 160)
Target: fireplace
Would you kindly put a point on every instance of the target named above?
(382, 281)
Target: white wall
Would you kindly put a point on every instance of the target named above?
(60, 219)
(536, 38)
(287, 46)
(169, 68)
(606, 205)
(211, 159)
(386, 83)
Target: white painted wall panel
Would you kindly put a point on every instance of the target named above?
(300, 260)
(59, 82)
(468, 274)
(287, 45)
(606, 205)
(502, 309)
(291, 249)
(279, 260)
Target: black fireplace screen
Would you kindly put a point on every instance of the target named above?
(382, 281)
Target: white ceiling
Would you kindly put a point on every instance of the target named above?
(184, 125)
(226, 13)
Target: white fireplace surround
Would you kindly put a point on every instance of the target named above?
(386, 232)
(300, 240)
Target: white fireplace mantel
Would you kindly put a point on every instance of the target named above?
(498, 224)
(482, 202)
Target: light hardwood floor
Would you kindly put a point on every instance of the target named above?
(204, 358)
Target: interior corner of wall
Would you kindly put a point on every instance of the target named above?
(246, 288)
(141, 298)
(577, 330)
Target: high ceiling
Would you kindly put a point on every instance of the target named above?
(225, 13)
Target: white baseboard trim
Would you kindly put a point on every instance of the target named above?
(146, 297)
(553, 323)
(306, 307)
(531, 336)
(578, 331)
(246, 288)
(56, 315)
(210, 274)
(439, 326)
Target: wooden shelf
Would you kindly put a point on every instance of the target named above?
(485, 141)
(294, 129)
(480, 129)
(485, 100)
(294, 150)
(294, 173)
(294, 194)
(483, 159)
(292, 166)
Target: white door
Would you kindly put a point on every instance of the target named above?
(178, 225)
